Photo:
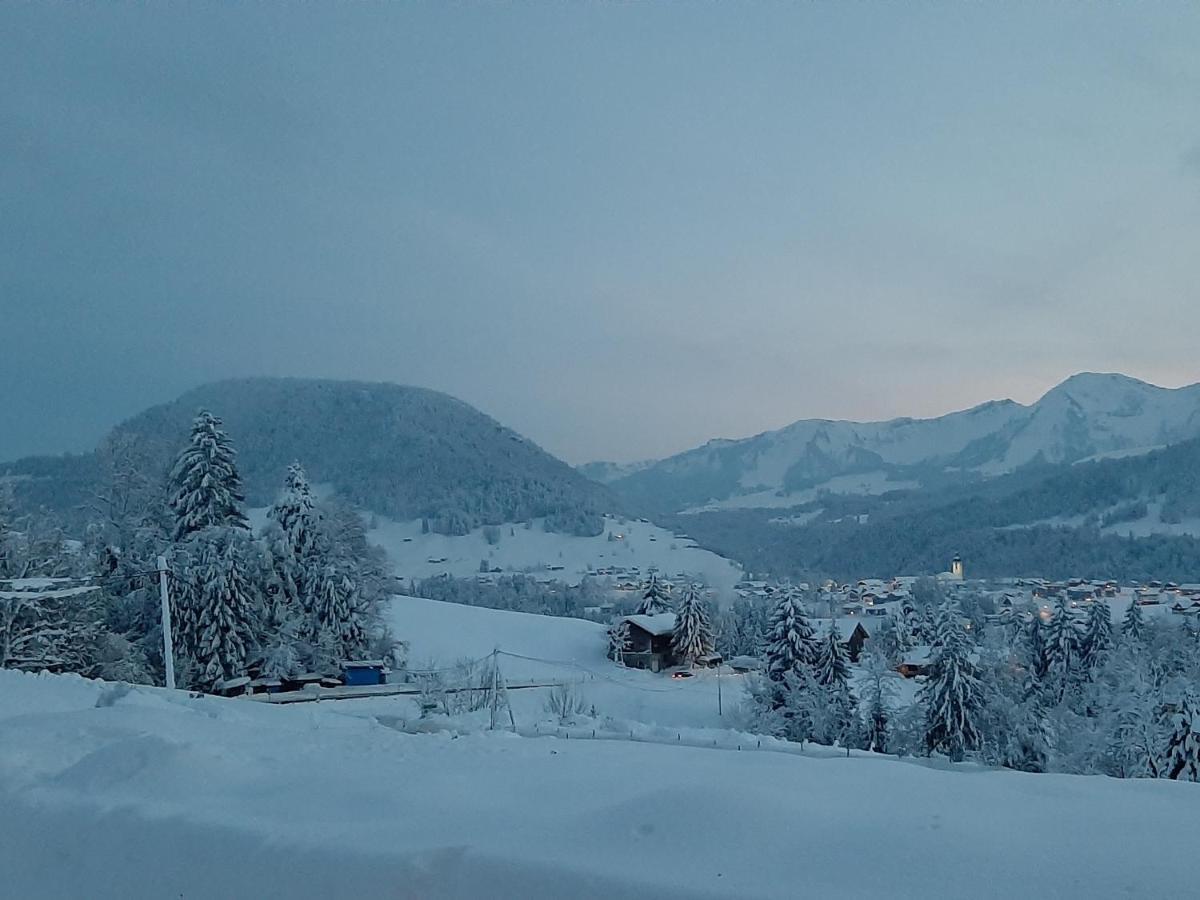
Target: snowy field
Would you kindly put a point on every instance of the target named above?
(550, 648)
(521, 549)
(155, 795)
(861, 484)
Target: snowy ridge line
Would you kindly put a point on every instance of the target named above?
(574, 665)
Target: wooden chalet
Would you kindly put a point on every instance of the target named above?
(649, 643)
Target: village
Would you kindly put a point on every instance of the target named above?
(864, 608)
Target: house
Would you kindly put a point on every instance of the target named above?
(364, 671)
(915, 662)
(304, 680)
(744, 664)
(234, 687)
(266, 685)
(649, 642)
(853, 635)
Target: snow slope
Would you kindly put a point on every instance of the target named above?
(152, 795)
(558, 649)
(521, 549)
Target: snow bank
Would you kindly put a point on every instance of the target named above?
(156, 795)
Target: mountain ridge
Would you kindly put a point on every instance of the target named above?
(1086, 415)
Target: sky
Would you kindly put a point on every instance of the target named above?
(621, 229)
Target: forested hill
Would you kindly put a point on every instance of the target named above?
(1133, 518)
(405, 452)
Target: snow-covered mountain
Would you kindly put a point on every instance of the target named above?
(1086, 416)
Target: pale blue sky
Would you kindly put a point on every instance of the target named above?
(620, 229)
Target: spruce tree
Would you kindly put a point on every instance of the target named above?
(655, 600)
(831, 667)
(1061, 651)
(291, 535)
(1036, 648)
(341, 629)
(1097, 639)
(790, 645)
(206, 487)
(952, 696)
(1133, 625)
(224, 607)
(692, 637)
(1181, 761)
(295, 512)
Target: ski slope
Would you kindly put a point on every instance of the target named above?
(150, 794)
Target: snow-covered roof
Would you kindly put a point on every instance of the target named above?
(663, 623)
(918, 656)
(847, 626)
(362, 664)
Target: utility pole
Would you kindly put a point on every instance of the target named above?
(720, 712)
(495, 685)
(168, 648)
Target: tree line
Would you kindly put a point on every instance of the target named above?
(299, 596)
(1056, 691)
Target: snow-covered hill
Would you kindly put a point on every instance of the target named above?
(150, 794)
(1085, 416)
(397, 450)
(515, 548)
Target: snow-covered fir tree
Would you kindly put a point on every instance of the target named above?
(655, 600)
(225, 606)
(1098, 636)
(927, 625)
(692, 637)
(206, 487)
(1181, 759)
(1133, 625)
(1132, 720)
(291, 534)
(790, 646)
(1015, 730)
(294, 564)
(831, 666)
(1062, 639)
(341, 622)
(1035, 648)
(951, 695)
(741, 632)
